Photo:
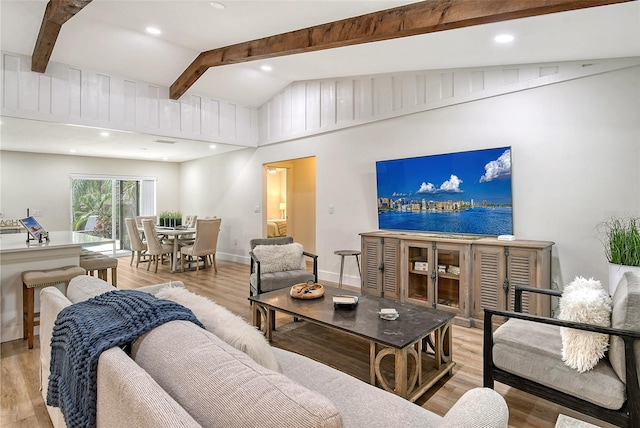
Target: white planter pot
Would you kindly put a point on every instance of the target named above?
(615, 275)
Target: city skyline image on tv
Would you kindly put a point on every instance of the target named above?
(462, 193)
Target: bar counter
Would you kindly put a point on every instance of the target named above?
(18, 255)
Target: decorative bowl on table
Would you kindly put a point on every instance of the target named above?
(307, 290)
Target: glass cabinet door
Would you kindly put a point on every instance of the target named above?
(420, 269)
(448, 271)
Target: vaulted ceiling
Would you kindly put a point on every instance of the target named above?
(109, 36)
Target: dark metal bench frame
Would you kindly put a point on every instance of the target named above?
(627, 416)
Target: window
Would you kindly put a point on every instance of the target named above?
(100, 205)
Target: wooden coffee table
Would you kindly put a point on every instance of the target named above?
(420, 335)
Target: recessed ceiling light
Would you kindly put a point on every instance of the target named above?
(504, 38)
(153, 30)
(104, 134)
(165, 158)
(266, 67)
(217, 5)
(72, 150)
(212, 146)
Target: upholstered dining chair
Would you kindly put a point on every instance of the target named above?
(139, 219)
(138, 246)
(278, 263)
(155, 248)
(205, 243)
(190, 221)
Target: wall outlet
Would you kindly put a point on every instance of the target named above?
(36, 213)
(1, 214)
(256, 208)
(330, 209)
(235, 242)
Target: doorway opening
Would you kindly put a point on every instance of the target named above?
(289, 198)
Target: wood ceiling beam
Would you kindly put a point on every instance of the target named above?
(57, 13)
(417, 18)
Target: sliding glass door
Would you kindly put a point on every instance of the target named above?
(100, 205)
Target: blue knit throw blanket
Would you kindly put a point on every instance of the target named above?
(85, 329)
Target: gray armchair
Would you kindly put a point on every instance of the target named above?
(261, 282)
(526, 353)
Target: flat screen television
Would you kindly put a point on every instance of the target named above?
(466, 193)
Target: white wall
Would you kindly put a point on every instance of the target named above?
(42, 182)
(68, 94)
(575, 152)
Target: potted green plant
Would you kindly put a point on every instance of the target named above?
(176, 218)
(622, 247)
(163, 218)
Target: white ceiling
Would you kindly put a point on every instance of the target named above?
(109, 36)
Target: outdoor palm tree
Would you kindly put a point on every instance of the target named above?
(95, 198)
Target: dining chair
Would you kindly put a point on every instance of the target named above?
(205, 244)
(139, 219)
(190, 221)
(155, 248)
(138, 246)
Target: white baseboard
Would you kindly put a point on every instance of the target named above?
(245, 260)
(347, 280)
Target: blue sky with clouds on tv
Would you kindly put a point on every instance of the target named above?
(478, 175)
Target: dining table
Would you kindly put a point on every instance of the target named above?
(173, 233)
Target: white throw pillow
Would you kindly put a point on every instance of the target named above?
(279, 258)
(225, 324)
(585, 301)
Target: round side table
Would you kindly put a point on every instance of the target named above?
(343, 254)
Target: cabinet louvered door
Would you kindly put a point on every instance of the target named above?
(371, 264)
(390, 274)
(488, 279)
(522, 271)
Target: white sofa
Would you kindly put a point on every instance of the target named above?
(180, 375)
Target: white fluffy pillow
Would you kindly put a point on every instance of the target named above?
(279, 258)
(585, 301)
(225, 324)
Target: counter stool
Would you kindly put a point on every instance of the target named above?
(343, 254)
(92, 261)
(41, 278)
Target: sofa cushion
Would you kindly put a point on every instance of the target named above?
(478, 408)
(534, 352)
(224, 324)
(129, 397)
(584, 301)
(52, 301)
(278, 258)
(625, 315)
(360, 404)
(219, 385)
(84, 287)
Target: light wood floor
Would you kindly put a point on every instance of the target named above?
(22, 404)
